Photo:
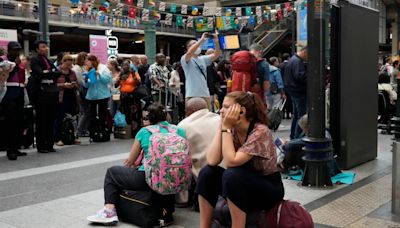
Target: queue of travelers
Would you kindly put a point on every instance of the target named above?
(228, 145)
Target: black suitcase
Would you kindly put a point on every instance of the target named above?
(3, 145)
(139, 208)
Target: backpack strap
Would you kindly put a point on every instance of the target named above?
(169, 129)
(153, 129)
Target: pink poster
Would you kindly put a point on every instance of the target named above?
(98, 47)
(7, 35)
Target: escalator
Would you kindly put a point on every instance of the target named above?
(270, 35)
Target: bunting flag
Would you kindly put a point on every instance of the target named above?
(287, 6)
(145, 15)
(228, 12)
(140, 3)
(162, 6)
(218, 11)
(252, 21)
(210, 23)
(259, 20)
(189, 22)
(206, 11)
(184, 9)
(258, 11)
(279, 15)
(220, 23)
(172, 9)
(248, 11)
(244, 22)
(273, 16)
(227, 23)
(168, 19)
(195, 11)
(238, 12)
(199, 24)
(132, 12)
(179, 21)
(156, 16)
(152, 4)
(129, 2)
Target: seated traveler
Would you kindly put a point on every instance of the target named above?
(245, 144)
(129, 177)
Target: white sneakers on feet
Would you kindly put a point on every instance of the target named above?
(104, 216)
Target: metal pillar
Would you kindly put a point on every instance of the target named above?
(44, 20)
(150, 41)
(318, 149)
(26, 47)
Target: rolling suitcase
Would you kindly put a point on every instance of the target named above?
(28, 132)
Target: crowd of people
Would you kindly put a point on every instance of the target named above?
(231, 145)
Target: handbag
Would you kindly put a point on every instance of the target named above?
(116, 97)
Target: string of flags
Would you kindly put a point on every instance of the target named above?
(201, 18)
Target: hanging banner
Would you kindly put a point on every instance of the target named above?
(98, 47)
(279, 15)
(210, 23)
(258, 11)
(248, 11)
(162, 6)
(145, 15)
(252, 21)
(259, 20)
(173, 8)
(218, 11)
(7, 35)
(179, 21)
(228, 12)
(190, 22)
(285, 12)
(238, 12)
(244, 22)
(184, 9)
(219, 23)
(140, 3)
(195, 11)
(206, 11)
(132, 12)
(168, 19)
(302, 24)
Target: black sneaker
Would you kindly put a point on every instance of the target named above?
(12, 157)
(19, 153)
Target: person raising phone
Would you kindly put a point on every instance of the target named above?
(195, 67)
(246, 146)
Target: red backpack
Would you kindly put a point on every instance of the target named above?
(288, 214)
(244, 71)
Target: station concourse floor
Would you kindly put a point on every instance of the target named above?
(63, 188)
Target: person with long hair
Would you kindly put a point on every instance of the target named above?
(246, 146)
(115, 70)
(129, 177)
(98, 92)
(67, 101)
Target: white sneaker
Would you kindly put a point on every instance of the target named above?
(104, 216)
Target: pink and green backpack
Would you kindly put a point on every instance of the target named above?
(168, 164)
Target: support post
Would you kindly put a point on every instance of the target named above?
(150, 41)
(26, 46)
(44, 20)
(318, 149)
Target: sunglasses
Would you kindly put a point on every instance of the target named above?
(145, 118)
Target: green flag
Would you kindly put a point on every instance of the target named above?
(173, 8)
(179, 20)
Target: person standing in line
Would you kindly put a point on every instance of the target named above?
(296, 87)
(84, 110)
(262, 70)
(115, 100)
(195, 68)
(68, 84)
(143, 68)
(13, 102)
(276, 92)
(287, 109)
(159, 76)
(46, 75)
(98, 92)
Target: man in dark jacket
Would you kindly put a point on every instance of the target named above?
(45, 75)
(296, 87)
(13, 102)
(287, 109)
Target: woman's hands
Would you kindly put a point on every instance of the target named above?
(130, 161)
(231, 117)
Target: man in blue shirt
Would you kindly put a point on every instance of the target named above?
(195, 68)
(262, 67)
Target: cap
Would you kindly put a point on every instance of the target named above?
(13, 45)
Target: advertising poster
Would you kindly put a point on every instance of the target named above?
(7, 35)
(98, 47)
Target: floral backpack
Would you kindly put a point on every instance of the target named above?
(168, 164)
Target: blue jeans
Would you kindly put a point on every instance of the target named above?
(299, 109)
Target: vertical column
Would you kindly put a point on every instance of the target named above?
(318, 149)
(26, 46)
(395, 36)
(150, 40)
(44, 20)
